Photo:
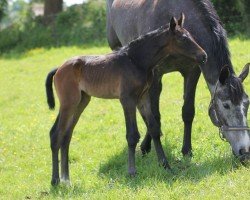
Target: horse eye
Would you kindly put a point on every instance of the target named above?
(226, 106)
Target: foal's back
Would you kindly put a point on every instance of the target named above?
(102, 76)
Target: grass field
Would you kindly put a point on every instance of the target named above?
(98, 153)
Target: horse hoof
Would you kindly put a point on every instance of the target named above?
(132, 173)
(55, 181)
(66, 182)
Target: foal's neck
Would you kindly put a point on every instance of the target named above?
(148, 51)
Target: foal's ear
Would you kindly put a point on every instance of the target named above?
(244, 72)
(173, 24)
(224, 74)
(181, 20)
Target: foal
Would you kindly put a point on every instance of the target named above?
(126, 75)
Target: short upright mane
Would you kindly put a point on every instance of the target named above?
(140, 39)
(148, 35)
(220, 45)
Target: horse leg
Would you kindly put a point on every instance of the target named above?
(85, 99)
(56, 135)
(154, 92)
(153, 129)
(132, 133)
(188, 110)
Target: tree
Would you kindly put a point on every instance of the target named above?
(3, 7)
(244, 7)
(51, 8)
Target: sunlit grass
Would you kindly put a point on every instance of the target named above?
(98, 153)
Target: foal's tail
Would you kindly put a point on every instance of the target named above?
(49, 89)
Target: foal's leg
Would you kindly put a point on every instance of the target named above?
(67, 138)
(55, 168)
(153, 129)
(132, 134)
(56, 135)
(188, 110)
(154, 92)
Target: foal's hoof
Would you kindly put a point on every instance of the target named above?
(165, 164)
(187, 153)
(55, 181)
(132, 173)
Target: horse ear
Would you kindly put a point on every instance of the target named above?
(181, 20)
(244, 72)
(224, 74)
(173, 24)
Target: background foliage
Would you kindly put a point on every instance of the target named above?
(79, 24)
(85, 23)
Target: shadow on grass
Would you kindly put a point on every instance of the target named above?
(148, 169)
(114, 173)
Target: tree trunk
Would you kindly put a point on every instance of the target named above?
(51, 8)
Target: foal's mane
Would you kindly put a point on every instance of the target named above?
(141, 39)
(219, 47)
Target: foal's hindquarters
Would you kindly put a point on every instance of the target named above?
(104, 77)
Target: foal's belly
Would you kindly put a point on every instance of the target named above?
(105, 90)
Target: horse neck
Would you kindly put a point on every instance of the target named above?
(211, 71)
(146, 54)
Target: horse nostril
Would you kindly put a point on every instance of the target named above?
(242, 152)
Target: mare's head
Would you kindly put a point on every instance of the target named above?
(228, 111)
(182, 42)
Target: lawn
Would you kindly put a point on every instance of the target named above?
(98, 153)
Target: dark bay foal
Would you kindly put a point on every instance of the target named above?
(126, 75)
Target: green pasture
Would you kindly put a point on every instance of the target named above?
(98, 153)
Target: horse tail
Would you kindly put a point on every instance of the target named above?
(49, 89)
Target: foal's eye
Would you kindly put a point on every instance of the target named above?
(184, 37)
(226, 106)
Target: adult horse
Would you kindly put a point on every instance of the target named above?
(129, 19)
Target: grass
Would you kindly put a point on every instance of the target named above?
(98, 153)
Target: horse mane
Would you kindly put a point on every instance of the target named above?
(236, 90)
(220, 45)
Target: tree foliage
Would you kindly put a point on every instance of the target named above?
(234, 14)
(86, 23)
(3, 7)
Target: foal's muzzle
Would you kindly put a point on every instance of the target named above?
(202, 58)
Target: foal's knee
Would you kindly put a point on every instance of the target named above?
(133, 139)
(53, 141)
(188, 113)
(154, 130)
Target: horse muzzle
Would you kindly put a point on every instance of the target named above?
(245, 158)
